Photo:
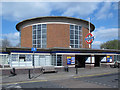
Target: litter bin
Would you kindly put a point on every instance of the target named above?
(66, 69)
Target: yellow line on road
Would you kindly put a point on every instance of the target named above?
(92, 75)
(24, 82)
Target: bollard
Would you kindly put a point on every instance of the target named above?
(13, 72)
(29, 74)
(76, 70)
(67, 69)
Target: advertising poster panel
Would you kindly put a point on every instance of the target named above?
(109, 58)
(70, 60)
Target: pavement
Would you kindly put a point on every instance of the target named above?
(60, 75)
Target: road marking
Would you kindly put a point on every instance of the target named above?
(92, 75)
(23, 82)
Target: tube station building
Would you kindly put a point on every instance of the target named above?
(57, 41)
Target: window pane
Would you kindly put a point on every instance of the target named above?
(34, 46)
(76, 27)
(34, 41)
(39, 27)
(38, 36)
(39, 32)
(34, 26)
(76, 36)
(71, 32)
(43, 30)
(59, 60)
(38, 41)
(79, 27)
(71, 26)
(76, 31)
(43, 25)
(34, 36)
(44, 36)
(43, 42)
(71, 41)
(14, 57)
(34, 32)
(76, 41)
(38, 46)
(28, 57)
(43, 46)
(76, 46)
(71, 36)
(72, 46)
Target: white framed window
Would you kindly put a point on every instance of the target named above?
(39, 35)
(75, 36)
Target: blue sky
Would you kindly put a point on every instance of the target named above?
(104, 15)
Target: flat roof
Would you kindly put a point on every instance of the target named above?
(49, 18)
(63, 50)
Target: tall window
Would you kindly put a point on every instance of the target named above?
(75, 36)
(39, 35)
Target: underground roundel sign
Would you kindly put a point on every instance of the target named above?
(89, 38)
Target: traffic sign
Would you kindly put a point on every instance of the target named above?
(33, 49)
(89, 38)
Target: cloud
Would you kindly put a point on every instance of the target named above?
(104, 11)
(14, 38)
(96, 44)
(80, 9)
(115, 6)
(105, 34)
(23, 10)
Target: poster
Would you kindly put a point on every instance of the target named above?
(70, 60)
(104, 59)
(109, 58)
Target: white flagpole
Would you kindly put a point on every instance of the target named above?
(89, 29)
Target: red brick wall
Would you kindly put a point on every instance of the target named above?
(58, 35)
(85, 31)
(26, 37)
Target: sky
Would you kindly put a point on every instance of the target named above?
(104, 15)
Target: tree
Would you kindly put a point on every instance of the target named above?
(5, 43)
(113, 44)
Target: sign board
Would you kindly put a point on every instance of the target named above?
(33, 49)
(109, 58)
(104, 59)
(89, 38)
(70, 60)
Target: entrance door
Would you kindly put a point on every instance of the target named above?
(97, 61)
(79, 61)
